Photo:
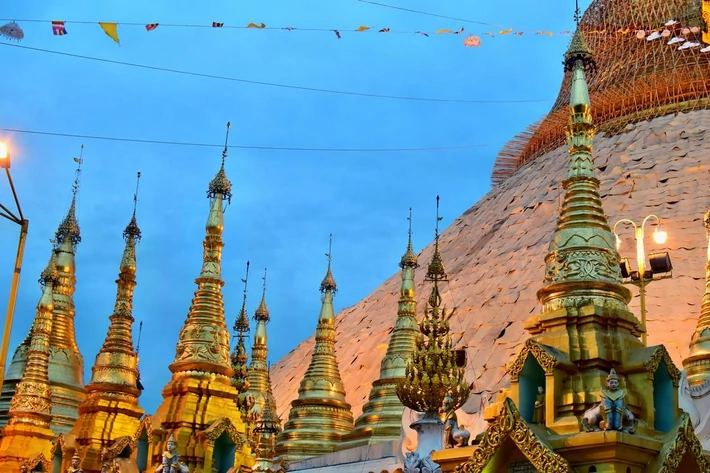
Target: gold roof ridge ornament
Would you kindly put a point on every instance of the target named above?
(432, 373)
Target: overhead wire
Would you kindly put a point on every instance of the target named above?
(268, 148)
(419, 12)
(264, 83)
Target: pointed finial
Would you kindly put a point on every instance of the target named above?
(50, 275)
(138, 343)
(241, 325)
(409, 259)
(220, 184)
(262, 312)
(328, 282)
(577, 13)
(132, 232)
(578, 51)
(69, 228)
(226, 143)
(435, 271)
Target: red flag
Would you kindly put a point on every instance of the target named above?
(151, 26)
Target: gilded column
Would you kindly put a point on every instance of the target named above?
(320, 416)
(200, 391)
(381, 418)
(28, 432)
(111, 407)
(66, 364)
(258, 367)
(697, 364)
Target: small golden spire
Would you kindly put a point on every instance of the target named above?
(328, 280)
(115, 371)
(268, 427)
(31, 403)
(432, 373)
(262, 312)
(409, 259)
(69, 228)
(240, 377)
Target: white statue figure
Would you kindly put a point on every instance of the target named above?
(171, 459)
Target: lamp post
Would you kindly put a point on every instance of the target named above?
(24, 225)
(659, 262)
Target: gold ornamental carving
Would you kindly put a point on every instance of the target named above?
(118, 446)
(509, 425)
(661, 354)
(547, 362)
(145, 424)
(220, 426)
(37, 460)
(684, 442)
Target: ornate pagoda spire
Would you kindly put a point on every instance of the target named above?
(381, 419)
(268, 427)
(111, 408)
(432, 374)
(258, 368)
(66, 362)
(200, 393)
(320, 416)
(28, 432)
(240, 377)
(698, 361)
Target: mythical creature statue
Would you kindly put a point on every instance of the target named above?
(413, 463)
(454, 435)
(611, 413)
(539, 412)
(171, 459)
(75, 466)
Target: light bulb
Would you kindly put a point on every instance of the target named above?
(659, 235)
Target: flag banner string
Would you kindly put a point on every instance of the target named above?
(685, 37)
(263, 148)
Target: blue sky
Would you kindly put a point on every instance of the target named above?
(286, 202)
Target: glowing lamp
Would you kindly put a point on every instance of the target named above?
(4, 156)
(660, 235)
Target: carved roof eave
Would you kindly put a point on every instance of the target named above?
(36, 460)
(118, 446)
(648, 359)
(220, 426)
(147, 424)
(510, 425)
(548, 358)
(679, 442)
(65, 443)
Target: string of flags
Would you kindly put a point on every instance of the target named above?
(672, 31)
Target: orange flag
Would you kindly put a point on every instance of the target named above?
(444, 30)
(364, 28)
(506, 31)
(111, 30)
(254, 25)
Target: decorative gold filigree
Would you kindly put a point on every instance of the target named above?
(147, 425)
(661, 354)
(684, 443)
(531, 347)
(509, 425)
(59, 443)
(220, 426)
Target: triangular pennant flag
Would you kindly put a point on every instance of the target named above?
(444, 31)
(254, 25)
(506, 31)
(111, 30)
(364, 28)
(151, 26)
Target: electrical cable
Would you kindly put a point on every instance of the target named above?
(268, 148)
(270, 84)
(419, 12)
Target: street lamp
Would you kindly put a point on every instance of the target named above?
(660, 263)
(24, 225)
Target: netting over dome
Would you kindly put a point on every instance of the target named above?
(636, 78)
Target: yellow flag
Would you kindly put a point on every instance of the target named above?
(111, 30)
(444, 30)
(364, 28)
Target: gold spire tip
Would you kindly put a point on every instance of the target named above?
(226, 144)
(69, 228)
(409, 259)
(262, 312)
(328, 282)
(132, 231)
(577, 13)
(435, 271)
(220, 184)
(50, 275)
(77, 174)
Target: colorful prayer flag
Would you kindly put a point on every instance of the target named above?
(58, 28)
(151, 26)
(384, 30)
(111, 30)
(217, 25)
(364, 28)
(254, 25)
(459, 31)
